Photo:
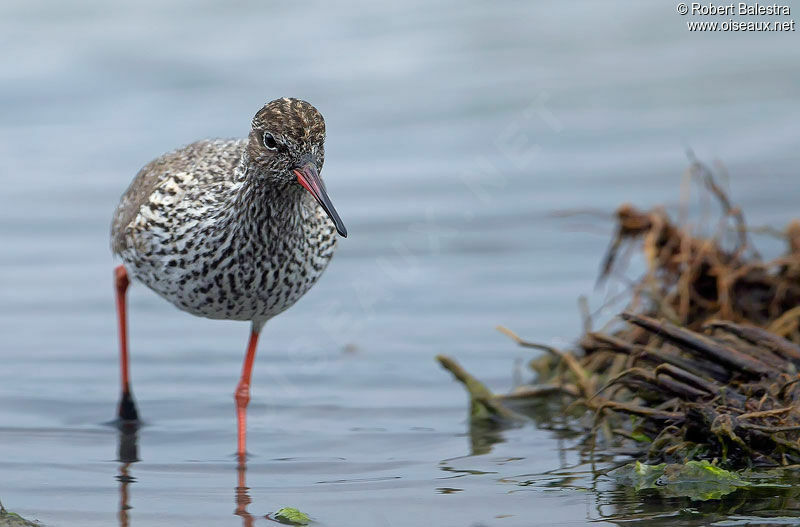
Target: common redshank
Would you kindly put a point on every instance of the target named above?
(229, 229)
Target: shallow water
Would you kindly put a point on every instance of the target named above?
(454, 132)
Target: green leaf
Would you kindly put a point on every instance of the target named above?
(292, 516)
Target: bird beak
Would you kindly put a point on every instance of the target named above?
(308, 176)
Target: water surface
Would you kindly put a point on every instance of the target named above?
(454, 131)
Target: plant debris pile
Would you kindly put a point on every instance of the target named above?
(703, 362)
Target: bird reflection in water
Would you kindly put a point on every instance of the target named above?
(242, 495)
(127, 454)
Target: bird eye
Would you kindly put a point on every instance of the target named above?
(270, 141)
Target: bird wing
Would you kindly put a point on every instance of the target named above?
(207, 161)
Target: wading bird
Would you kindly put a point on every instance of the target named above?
(229, 229)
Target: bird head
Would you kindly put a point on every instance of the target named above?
(287, 145)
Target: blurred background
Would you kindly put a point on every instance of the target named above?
(455, 131)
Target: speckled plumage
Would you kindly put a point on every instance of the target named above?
(222, 228)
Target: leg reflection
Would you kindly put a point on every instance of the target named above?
(127, 454)
(242, 496)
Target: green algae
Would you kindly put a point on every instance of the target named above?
(12, 519)
(291, 516)
(697, 480)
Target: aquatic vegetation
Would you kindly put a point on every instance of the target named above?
(483, 403)
(697, 480)
(291, 516)
(703, 362)
(12, 519)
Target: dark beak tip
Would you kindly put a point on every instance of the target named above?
(308, 177)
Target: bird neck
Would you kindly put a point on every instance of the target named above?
(262, 202)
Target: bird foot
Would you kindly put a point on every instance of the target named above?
(127, 408)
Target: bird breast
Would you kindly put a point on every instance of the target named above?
(245, 262)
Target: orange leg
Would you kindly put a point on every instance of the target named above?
(242, 394)
(127, 408)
